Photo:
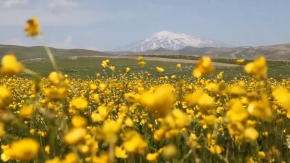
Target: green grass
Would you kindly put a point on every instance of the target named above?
(88, 67)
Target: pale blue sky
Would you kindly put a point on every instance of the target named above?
(109, 24)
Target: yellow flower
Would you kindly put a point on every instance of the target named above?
(93, 86)
(104, 64)
(140, 58)
(130, 97)
(127, 70)
(262, 154)
(26, 111)
(159, 69)
(237, 113)
(216, 149)
(56, 78)
(169, 151)
(96, 98)
(25, 149)
(212, 87)
(240, 61)
(5, 97)
(282, 95)
(103, 158)
(78, 121)
(250, 134)
(192, 140)
(160, 102)
(261, 109)
(101, 115)
(47, 149)
(133, 142)
(109, 131)
(10, 65)
(209, 120)
(152, 156)
(32, 28)
(203, 67)
(178, 65)
(120, 152)
(56, 94)
(141, 63)
(173, 77)
(205, 101)
(75, 136)
(79, 103)
(71, 158)
(54, 160)
(6, 153)
(220, 75)
(112, 68)
(258, 68)
(235, 128)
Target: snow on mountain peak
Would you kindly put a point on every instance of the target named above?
(169, 40)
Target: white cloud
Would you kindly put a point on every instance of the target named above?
(60, 5)
(15, 3)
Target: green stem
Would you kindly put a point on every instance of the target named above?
(30, 72)
(49, 53)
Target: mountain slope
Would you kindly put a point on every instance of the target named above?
(169, 40)
(24, 53)
(271, 52)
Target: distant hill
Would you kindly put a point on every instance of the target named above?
(271, 52)
(38, 52)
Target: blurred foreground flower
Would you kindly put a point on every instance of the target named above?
(10, 65)
(32, 28)
(258, 68)
(203, 67)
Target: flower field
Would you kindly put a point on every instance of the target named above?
(133, 117)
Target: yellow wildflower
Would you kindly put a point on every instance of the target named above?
(127, 70)
(56, 78)
(112, 68)
(140, 58)
(133, 142)
(216, 149)
(159, 102)
(32, 28)
(203, 67)
(250, 134)
(78, 121)
(240, 61)
(141, 63)
(71, 158)
(120, 152)
(5, 97)
(56, 94)
(25, 149)
(159, 69)
(152, 156)
(75, 136)
(79, 103)
(26, 111)
(169, 151)
(109, 131)
(10, 65)
(258, 68)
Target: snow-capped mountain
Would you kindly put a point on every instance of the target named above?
(169, 40)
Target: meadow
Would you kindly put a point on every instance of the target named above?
(99, 110)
